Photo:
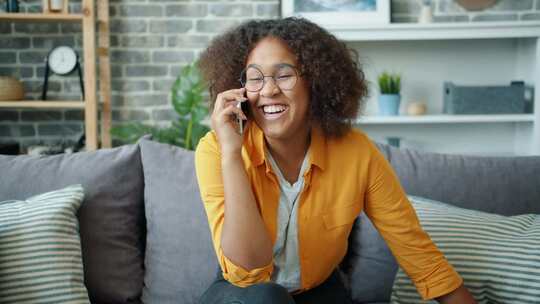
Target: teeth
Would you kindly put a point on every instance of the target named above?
(273, 109)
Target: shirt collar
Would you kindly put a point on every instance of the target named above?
(317, 147)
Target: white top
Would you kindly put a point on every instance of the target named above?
(286, 261)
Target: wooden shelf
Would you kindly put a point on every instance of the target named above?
(439, 31)
(43, 104)
(437, 119)
(40, 17)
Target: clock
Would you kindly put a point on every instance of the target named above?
(61, 60)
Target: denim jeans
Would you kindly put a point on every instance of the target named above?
(222, 292)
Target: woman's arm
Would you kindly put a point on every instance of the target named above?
(387, 206)
(458, 296)
(244, 239)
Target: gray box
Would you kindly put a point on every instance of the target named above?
(513, 99)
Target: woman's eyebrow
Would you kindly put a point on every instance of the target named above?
(275, 66)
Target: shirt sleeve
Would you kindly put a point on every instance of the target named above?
(208, 169)
(394, 217)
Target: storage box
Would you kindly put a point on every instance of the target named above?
(513, 99)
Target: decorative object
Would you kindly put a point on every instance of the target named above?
(335, 14)
(11, 89)
(41, 248)
(476, 5)
(496, 255)
(188, 103)
(486, 99)
(393, 141)
(389, 100)
(426, 12)
(55, 6)
(61, 60)
(12, 6)
(416, 108)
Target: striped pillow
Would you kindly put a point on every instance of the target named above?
(40, 249)
(497, 256)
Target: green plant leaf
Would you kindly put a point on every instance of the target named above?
(389, 83)
(131, 132)
(187, 100)
(197, 133)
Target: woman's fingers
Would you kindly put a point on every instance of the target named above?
(232, 109)
(226, 97)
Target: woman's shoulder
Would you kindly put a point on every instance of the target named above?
(355, 139)
(208, 142)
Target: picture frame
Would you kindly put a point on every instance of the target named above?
(339, 14)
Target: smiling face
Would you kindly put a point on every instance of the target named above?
(281, 114)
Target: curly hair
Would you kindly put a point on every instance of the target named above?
(338, 88)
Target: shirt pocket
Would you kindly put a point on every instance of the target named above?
(341, 216)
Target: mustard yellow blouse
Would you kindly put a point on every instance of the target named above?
(345, 176)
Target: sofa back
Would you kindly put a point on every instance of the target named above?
(502, 185)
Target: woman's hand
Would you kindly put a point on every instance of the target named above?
(459, 296)
(224, 122)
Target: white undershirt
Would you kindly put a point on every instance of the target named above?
(285, 252)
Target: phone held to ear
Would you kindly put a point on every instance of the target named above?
(241, 123)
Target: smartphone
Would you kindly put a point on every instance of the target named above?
(241, 123)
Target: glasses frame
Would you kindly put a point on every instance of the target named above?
(295, 69)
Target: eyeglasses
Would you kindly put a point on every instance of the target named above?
(284, 77)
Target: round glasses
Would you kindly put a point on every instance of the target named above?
(284, 77)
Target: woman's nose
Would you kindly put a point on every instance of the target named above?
(269, 88)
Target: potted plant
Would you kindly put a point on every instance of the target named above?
(188, 102)
(389, 99)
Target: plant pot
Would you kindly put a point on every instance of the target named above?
(389, 104)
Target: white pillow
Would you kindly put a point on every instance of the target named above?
(40, 249)
(497, 256)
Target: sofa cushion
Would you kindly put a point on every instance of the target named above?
(40, 248)
(497, 256)
(111, 217)
(369, 265)
(180, 261)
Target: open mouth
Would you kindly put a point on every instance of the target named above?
(275, 111)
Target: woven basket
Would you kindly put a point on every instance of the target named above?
(10, 89)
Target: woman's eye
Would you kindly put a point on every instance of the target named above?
(255, 79)
(284, 76)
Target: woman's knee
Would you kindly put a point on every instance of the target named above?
(270, 293)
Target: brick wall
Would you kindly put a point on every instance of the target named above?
(150, 41)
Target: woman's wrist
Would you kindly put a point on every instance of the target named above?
(230, 155)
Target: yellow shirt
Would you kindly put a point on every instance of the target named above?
(345, 176)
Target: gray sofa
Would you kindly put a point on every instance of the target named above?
(144, 232)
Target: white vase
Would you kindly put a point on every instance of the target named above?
(56, 5)
(426, 15)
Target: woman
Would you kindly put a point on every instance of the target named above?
(281, 196)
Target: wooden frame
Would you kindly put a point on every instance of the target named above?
(332, 14)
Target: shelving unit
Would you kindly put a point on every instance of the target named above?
(90, 105)
(482, 53)
(49, 104)
(445, 119)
